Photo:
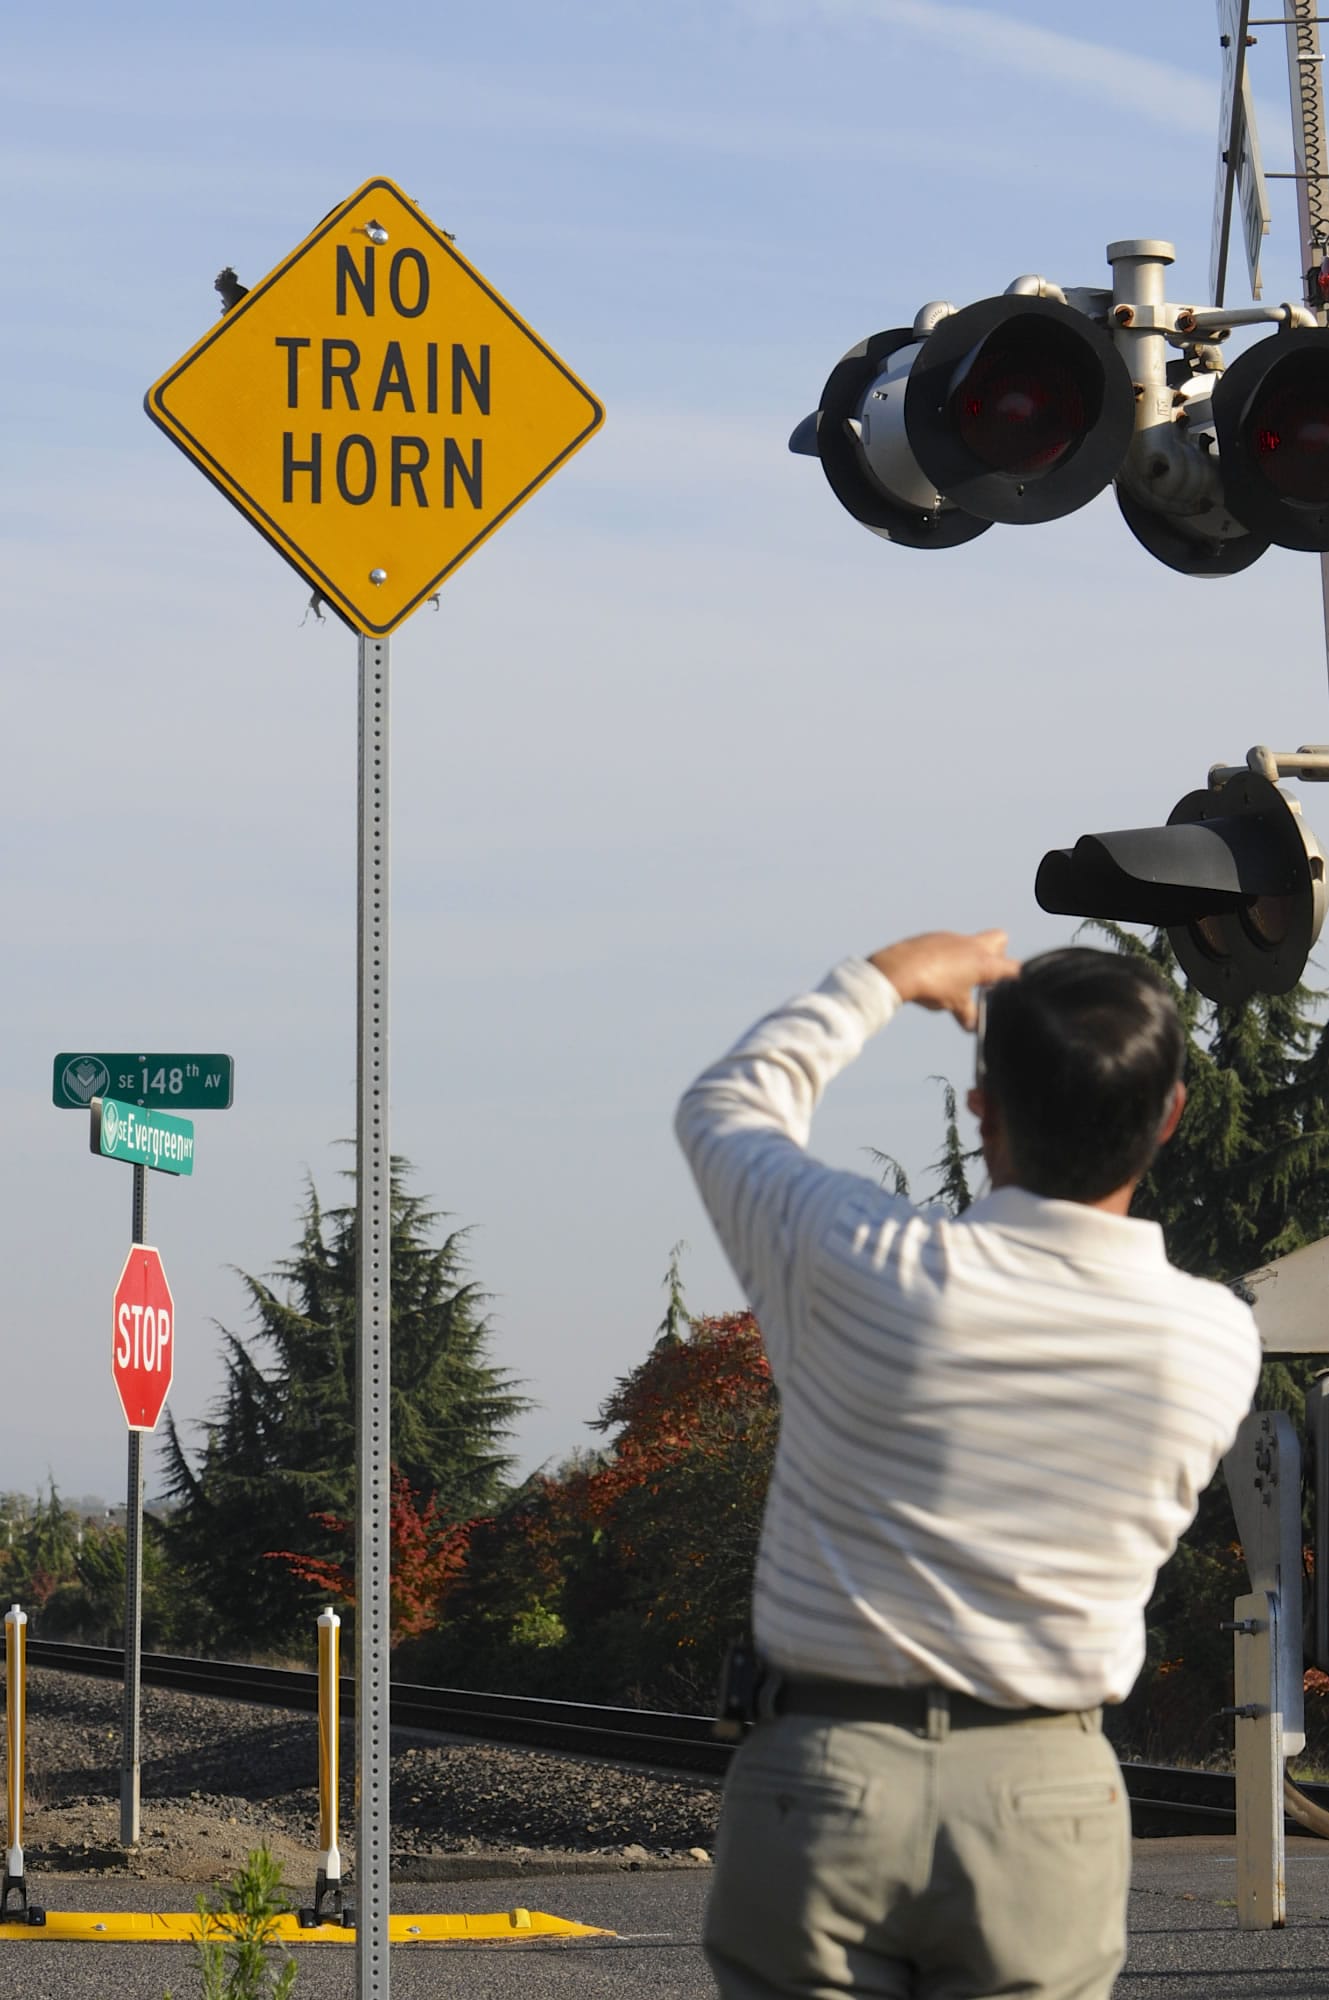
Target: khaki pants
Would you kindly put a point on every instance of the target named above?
(859, 1858)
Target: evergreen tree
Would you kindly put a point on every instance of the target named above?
(279, 1445)
(41, 1553)
(1241, 1182)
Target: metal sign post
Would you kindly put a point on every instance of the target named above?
(160, 1363)
(132, 1130)
(373, 1286)
(129, 1744)
(376, 410)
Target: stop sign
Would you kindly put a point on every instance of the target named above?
(143, 1351)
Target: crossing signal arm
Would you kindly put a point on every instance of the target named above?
(1235, 877)
(1022, 408)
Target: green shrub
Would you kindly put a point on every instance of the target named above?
(237, 1950)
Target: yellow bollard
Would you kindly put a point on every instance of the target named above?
(329, 1742)
(328, 1904)
(16, 1693)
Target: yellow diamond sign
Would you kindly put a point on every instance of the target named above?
(375, 408)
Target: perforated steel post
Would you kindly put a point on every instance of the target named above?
(129, 1746)
(373, 1339)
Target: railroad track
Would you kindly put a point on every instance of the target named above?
(1164, 1799)
(630, 1735)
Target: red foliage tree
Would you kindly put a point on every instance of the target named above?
(678, 1502)
(428, 1555)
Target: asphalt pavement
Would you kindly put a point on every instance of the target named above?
(1185, 1943)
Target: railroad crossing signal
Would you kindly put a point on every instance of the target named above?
(1271, 415)
(374, 408)
(1235, 878)
(1015, 409)
(1022, 408)
(143, 1347)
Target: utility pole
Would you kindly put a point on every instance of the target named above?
(1311, 166)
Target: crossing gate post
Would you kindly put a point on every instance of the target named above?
(1263, 1471)
(1261, 1851)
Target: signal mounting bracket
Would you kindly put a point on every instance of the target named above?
(1310, 763)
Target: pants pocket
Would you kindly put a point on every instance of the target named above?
(796, 1857)
(1075, 1808)
(791, 1793)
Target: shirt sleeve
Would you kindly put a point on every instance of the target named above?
(744, 1126)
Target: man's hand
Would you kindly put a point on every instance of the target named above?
(940, 969)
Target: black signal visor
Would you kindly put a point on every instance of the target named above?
(842, 462)
(1019, 409)
(1162, 874)
(1235, 878)
(1271, 413)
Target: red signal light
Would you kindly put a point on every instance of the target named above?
(1271, 420)
(1024, 399)
(1018, 409)
(1290, 434)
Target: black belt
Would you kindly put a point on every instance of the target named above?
(929, 1711)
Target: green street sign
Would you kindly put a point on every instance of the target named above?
(143, 1138)
(166, 1083)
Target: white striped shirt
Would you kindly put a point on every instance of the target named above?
(993, 1428)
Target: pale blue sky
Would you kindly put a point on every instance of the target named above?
(678, 737)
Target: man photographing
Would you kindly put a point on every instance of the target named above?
(994, 1428)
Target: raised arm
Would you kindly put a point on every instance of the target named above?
(744, 1123)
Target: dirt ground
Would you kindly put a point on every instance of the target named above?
(176, 1844)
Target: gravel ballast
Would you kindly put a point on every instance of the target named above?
(218, 1777)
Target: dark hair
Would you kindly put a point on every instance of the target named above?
(1080, 1056)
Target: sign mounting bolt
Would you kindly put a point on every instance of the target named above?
(376, 232)
(378, 577)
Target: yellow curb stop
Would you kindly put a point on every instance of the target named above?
(181, 1927)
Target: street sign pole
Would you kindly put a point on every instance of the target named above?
(129, 1749)
(374, 492)
(373, 1339)
(142, 1137)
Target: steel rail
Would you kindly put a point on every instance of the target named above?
(629, 1734)
(1164, 1798)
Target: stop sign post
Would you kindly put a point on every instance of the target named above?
(135, 1130)
(143, 1345)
